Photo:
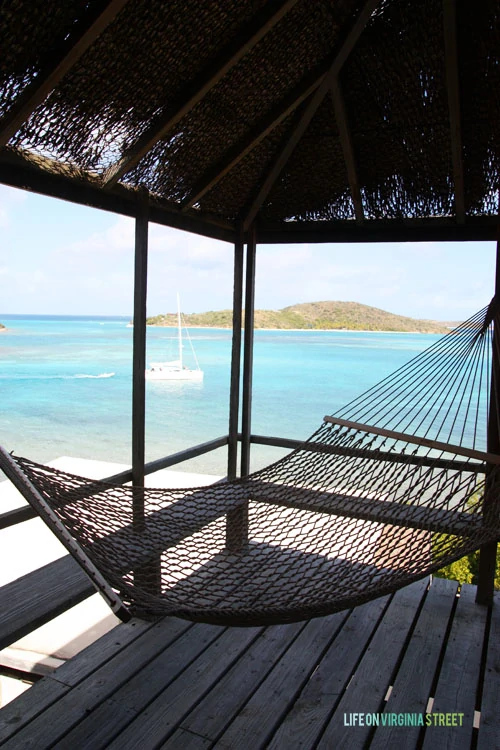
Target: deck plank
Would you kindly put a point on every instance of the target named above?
(39, 596)
(173, 706)
(184, 740)
(414, 679)
(49, 726)
(181, 686)
(367, 690)
(99, 727)
(164, 714)
(17, 714)
(98, 653)
(218, 708)
(489, 727)
(261, 716)
(458, 680)
(303, 724)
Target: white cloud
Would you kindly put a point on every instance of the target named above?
(115, 240)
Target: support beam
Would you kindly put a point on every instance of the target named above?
(434, 229)
(252, 33)
(284, 153)
(41, 175)
(237, 520)
(147, 575)
(265, 126)
(234, 395)
(488, 553)
(139, 351)
(347, 148)
(453, 89)
(344, 47)
(248, 353)
(60, 61)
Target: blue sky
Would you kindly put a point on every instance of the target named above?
(60, 258)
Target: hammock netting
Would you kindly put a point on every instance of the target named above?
(395, 486)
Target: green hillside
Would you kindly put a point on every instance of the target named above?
(350, 316)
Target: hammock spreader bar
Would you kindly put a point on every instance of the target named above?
(458, 450)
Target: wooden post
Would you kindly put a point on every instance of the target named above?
(234, 394)
(488, 552)
(146, 576)
(139, 348)
(248, 353)
(237, 520)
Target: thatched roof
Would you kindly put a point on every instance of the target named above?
(337, 119)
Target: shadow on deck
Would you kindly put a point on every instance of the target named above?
(367, 677)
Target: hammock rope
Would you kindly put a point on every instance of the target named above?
(396, 485)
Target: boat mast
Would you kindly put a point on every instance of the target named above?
(179, 328)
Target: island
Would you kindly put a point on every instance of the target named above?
(329, 316)
(2, 328)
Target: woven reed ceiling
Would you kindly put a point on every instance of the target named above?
(315, 119)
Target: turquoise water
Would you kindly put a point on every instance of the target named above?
(66, 385)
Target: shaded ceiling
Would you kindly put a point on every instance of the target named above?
(327, 120)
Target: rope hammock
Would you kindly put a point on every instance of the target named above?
(393, 487)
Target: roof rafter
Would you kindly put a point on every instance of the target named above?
(347, 148)
(253, 32)
(453, 90)
(433, 229)
(344, 48)
(250, 141)
(60, 61)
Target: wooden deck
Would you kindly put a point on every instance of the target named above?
(174, 684)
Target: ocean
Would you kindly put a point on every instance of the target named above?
(66, 385)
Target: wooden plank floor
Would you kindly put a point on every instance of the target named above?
(348, 680)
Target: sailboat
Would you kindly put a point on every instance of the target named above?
(176, 369)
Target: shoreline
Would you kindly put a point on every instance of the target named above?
(301, 330)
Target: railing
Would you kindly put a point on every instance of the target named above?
(13, 517)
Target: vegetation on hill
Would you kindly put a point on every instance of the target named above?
(2, 327)
(350, 316)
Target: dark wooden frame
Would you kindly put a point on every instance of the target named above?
(488, 553)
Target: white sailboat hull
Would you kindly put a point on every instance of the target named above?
(174, 374)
